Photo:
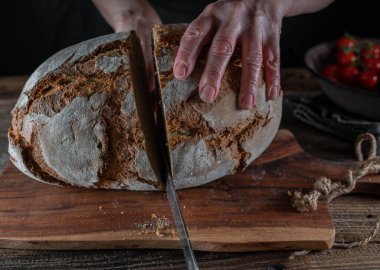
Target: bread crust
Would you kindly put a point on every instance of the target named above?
(76, 121)
(209, 141)
(79, 120)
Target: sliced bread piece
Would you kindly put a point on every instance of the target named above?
(208, 141)
(77, 123)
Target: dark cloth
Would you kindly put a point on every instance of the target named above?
(322, 114)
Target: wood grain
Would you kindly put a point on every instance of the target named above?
(244, 212)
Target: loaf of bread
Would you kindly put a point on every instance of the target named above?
(208, 141)
(85, 118)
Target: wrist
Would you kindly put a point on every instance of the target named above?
(135, 17)
(297, 7)
(122, 15)
(127, 18)
(124, 21)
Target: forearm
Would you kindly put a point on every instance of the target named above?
(137, 15)
(297, 7)
(121, 15)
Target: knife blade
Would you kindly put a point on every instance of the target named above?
(191, 261)
(184, 239)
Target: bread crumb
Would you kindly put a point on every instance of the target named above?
(157, 225)
(101, 209)
(162, 223)
(184, 207)
(122, 212)
(115, 204)
(158, 233)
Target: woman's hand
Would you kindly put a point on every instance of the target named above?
(125, 15)
(256, 26)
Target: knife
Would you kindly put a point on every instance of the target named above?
(191, 261)
(184, 239)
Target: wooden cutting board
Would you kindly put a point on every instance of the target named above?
(244, 212)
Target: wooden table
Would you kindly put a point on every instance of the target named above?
(354, 216)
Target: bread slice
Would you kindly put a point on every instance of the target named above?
(84, 118)
(209, 141)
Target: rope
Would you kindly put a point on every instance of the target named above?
(362, 242)
(366, 240)
(324, 186)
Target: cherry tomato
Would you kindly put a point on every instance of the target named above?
(346, 58)
(349, 74)
(370, 51)
(345, 42)
(368, 79)
(373, 64)
(331, 71)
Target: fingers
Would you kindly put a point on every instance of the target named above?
(195, 37)
(256, 24)
(271, 63)
(252, 59)
(221, 50)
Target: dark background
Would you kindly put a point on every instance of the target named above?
(33, 30)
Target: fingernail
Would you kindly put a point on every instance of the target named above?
(180, 71)
(246, 101)
(273, 93)
(207, 93)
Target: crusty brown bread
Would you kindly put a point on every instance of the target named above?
(208, 141)
(84, 118)
(76, 120)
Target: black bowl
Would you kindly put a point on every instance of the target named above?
(353, 99)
